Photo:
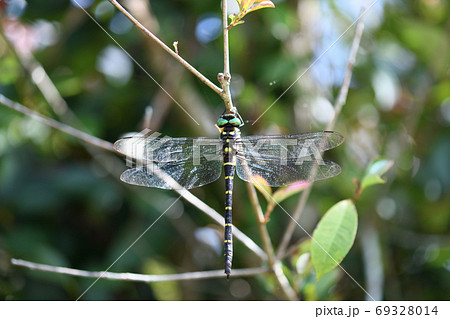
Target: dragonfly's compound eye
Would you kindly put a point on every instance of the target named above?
(221, 122)
(235, 122)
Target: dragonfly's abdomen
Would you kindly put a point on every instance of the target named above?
(229, 136)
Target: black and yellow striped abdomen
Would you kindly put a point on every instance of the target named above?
(229, 164)
(229, 134)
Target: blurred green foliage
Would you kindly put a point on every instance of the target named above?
(64, 205)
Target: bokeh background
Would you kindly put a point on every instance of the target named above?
(63, 204)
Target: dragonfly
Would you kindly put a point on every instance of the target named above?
(190, 162)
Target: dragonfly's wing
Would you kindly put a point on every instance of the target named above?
(187, 173)
(278, 172)
(304, 145)
(149, 148)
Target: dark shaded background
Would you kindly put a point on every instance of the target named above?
(65, 206)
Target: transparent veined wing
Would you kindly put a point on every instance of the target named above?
(186, 172)
(191, 162)
(149, 148)
(277, 172)
(304, 145)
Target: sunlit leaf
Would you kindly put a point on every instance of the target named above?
(234, 20)
(247, 6)
(261, 5)
(333, 237)
(238, 22)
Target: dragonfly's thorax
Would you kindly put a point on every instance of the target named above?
(228, 126)
(229, 134)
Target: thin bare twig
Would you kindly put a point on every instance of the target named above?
(175, 55)
(244, 272)
(226, 50)
(340, 101)
(92, 140)
(225, 77)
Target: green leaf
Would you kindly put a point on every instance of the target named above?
(370, 180)
(374, 172)
(379, 166)
(333, 237)
(285, 192)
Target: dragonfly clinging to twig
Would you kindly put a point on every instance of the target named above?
(276, 160)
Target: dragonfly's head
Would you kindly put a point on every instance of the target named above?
(229, 120)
